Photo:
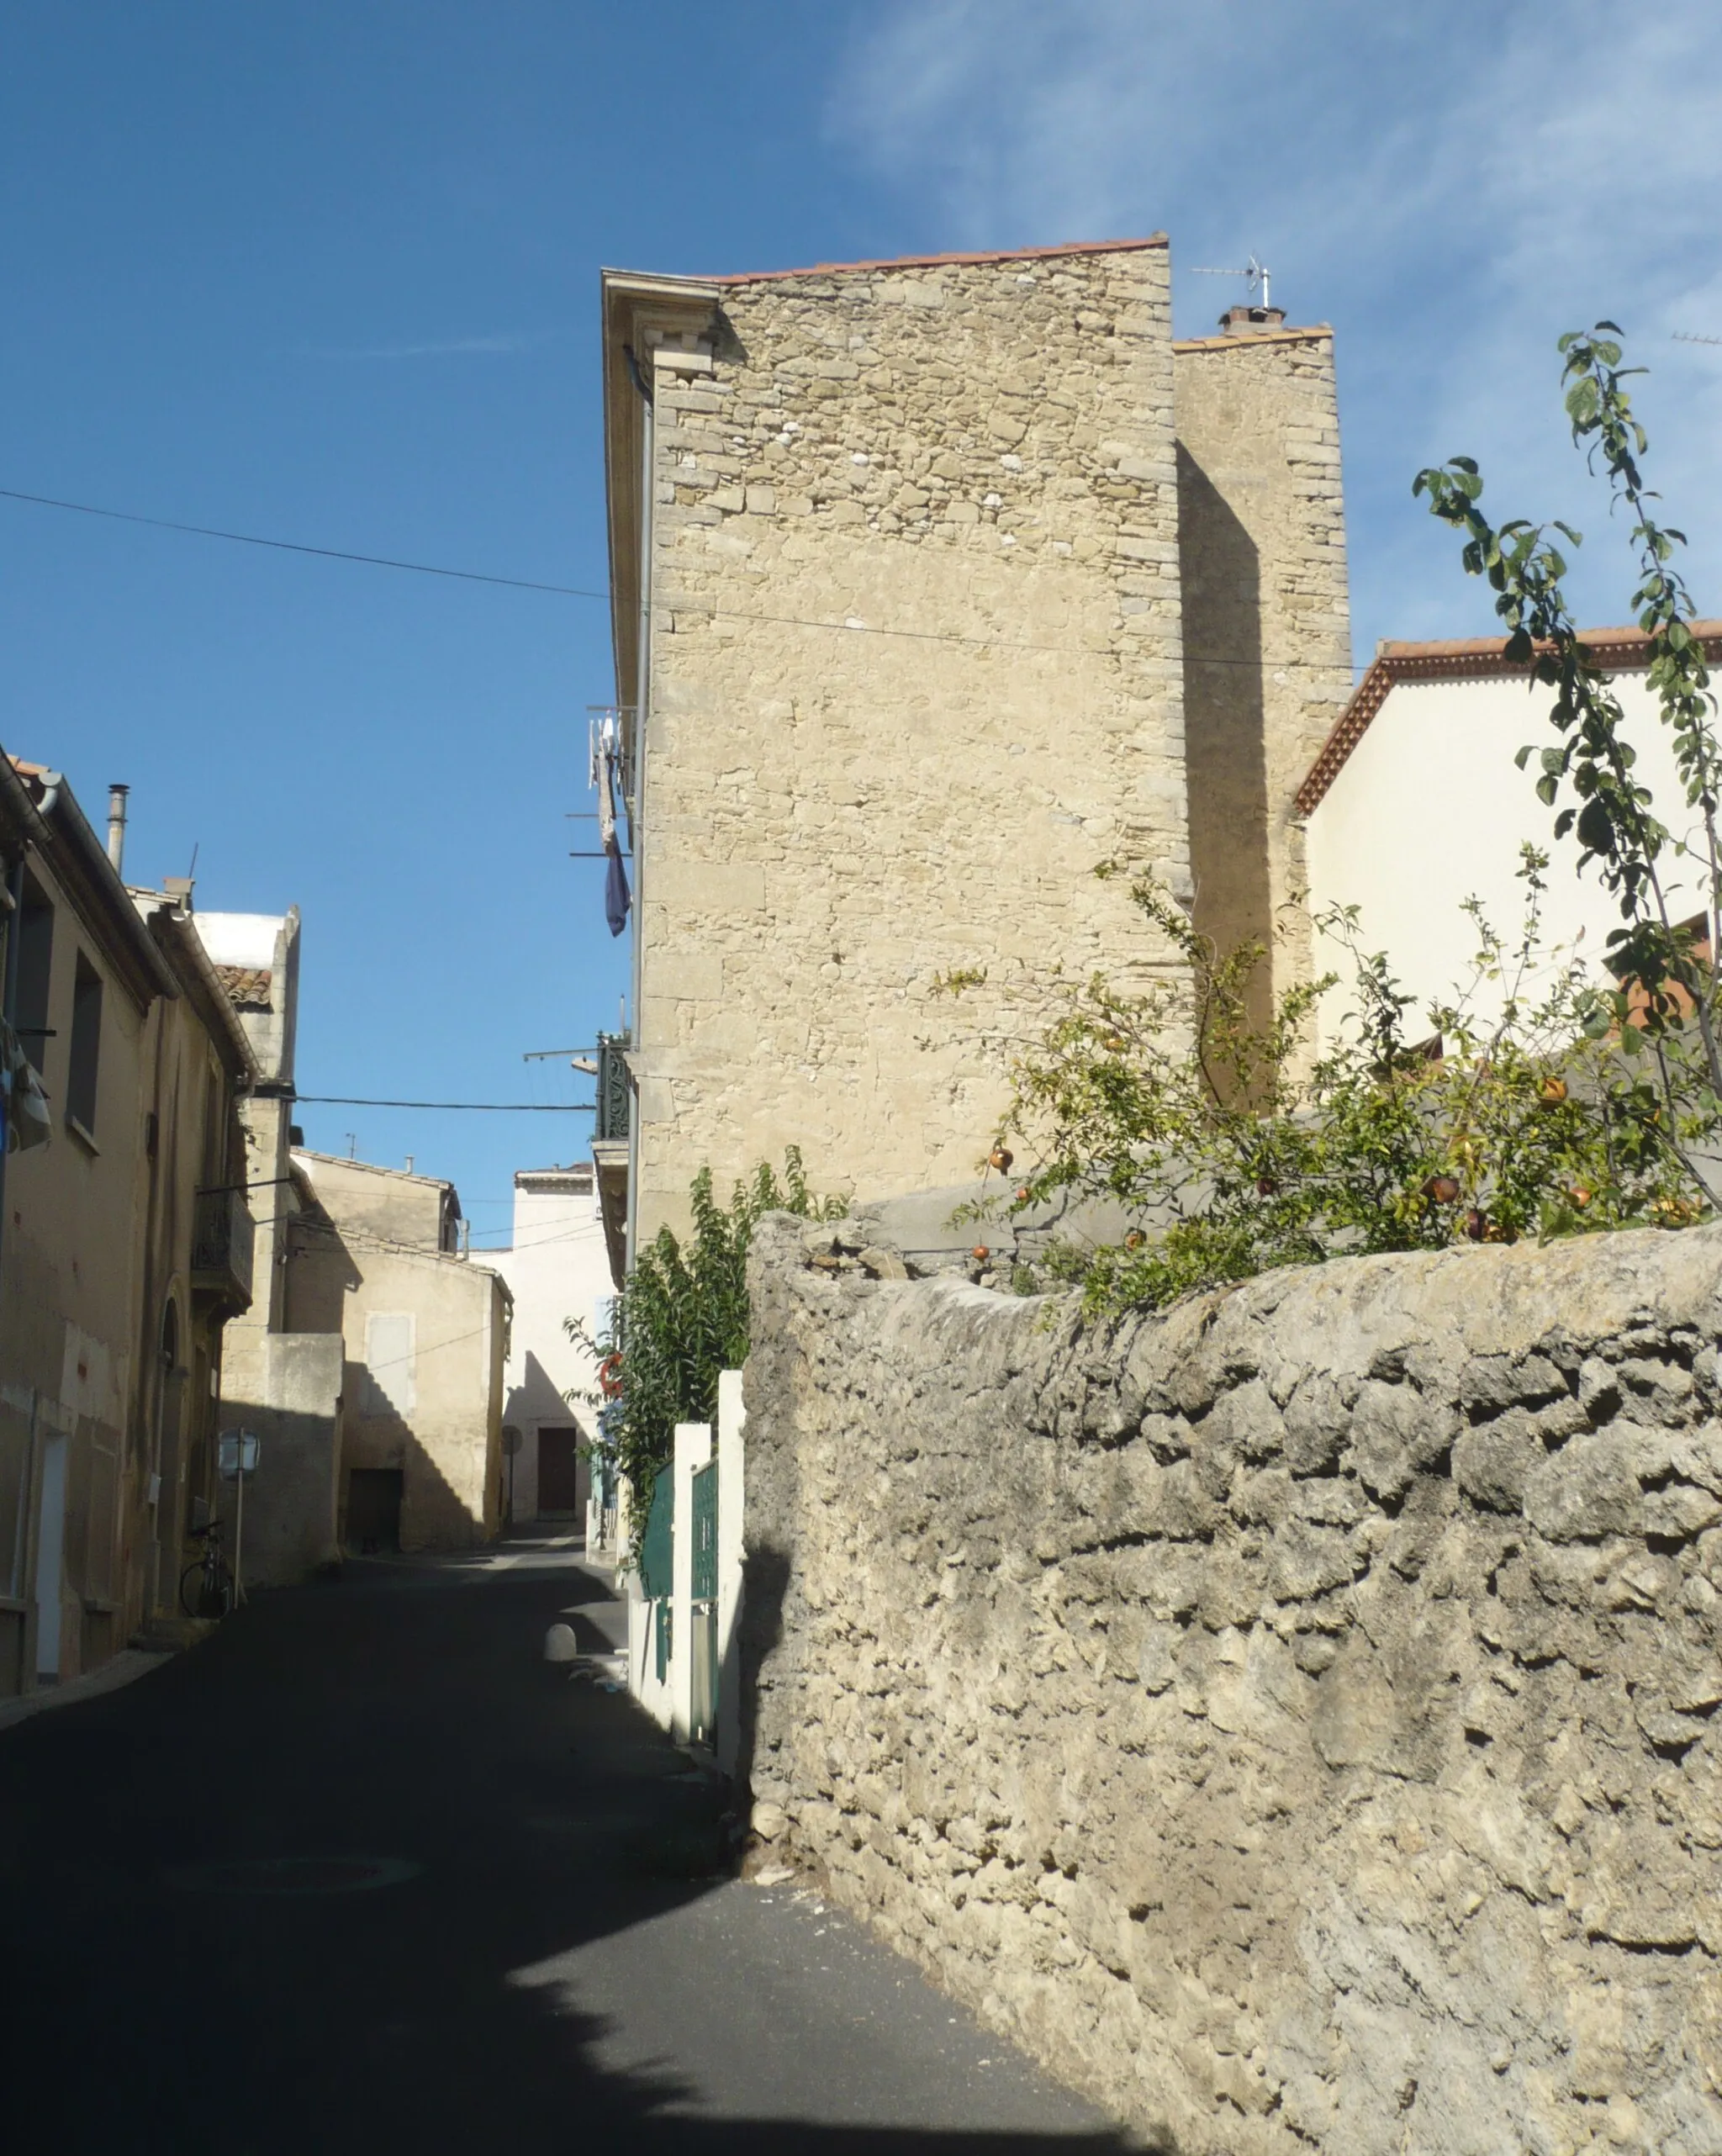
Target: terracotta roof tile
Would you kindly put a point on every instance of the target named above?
(246, 987)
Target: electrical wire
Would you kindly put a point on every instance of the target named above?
(297, 547)
(490, 1107)
(578, 591)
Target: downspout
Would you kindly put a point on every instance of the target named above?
(643, 705)
(8, 1009)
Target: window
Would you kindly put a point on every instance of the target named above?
(81, 1078)
(391, 1363)
(35, 954)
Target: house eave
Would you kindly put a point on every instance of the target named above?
(638, 311)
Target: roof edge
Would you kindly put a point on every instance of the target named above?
(1244, 338)
(1467, 658)
(1064, 247)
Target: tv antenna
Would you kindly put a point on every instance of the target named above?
(1253, 273)
(1690, 337)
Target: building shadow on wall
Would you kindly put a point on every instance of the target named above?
(1225, 725)
(449, 2012)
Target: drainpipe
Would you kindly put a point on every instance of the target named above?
(643, 705)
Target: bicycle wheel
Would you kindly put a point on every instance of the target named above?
(206, 1591)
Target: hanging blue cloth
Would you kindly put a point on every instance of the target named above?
(617, 897)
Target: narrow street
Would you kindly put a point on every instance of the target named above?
(363, 1873)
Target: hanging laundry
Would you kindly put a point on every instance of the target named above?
(617, 897)
(24, 1117)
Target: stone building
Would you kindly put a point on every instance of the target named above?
(372, 1254)
(281, 1384)
(934, 583)
(125, 1243)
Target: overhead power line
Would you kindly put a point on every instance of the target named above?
(297, 547)
(488, 1107)
(847, 627)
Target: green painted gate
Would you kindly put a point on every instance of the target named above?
(704, 1643)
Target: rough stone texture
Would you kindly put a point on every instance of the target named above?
(1292, 1716)
(979, 458)
(1267, 623)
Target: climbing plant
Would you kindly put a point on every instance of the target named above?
(683, 1317)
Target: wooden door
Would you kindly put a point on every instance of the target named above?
(558, 1470)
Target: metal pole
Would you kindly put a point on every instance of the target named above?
(239, 1527)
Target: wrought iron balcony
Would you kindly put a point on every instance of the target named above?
(222, 1236)
(614, 1107)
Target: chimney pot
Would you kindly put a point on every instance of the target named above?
(1241, 321)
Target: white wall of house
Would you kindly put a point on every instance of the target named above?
(556, 1269)
(1430, 810)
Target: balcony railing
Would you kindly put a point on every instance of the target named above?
(222, 1236)
(613, 1102)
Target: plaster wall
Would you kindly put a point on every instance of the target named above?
(70, 1290)
(915, 666)
(1428, 810)
(557, 1268)
(287, 1388)
(389, 1205)
(425, 1338)
(1291, 1716)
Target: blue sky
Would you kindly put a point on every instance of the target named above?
(330, 272)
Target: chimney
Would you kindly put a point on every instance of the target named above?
(116, 826)
(179, 890)
(1241, 321)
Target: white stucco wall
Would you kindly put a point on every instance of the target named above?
(556, 1269)
(1430, 810)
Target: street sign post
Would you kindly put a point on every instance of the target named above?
(237, 1453)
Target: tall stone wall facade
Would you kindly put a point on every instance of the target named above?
(935, 555)
(1292, 1717)
(978, 455)
(1267, 623)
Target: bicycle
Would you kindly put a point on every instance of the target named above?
(206, 1588)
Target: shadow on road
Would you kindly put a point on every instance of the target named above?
(175, 1982)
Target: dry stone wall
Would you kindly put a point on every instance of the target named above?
(1292, 1716)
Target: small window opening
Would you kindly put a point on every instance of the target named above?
(83, 1074)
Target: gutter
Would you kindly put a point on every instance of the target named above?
(96, 881)
(183, 930)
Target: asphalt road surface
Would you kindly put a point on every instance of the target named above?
(363, 1873)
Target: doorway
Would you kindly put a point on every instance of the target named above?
(559, 1470)
(373, 1505)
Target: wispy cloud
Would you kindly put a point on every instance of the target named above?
(1451, 187)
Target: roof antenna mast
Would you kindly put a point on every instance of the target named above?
(1253, 273)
